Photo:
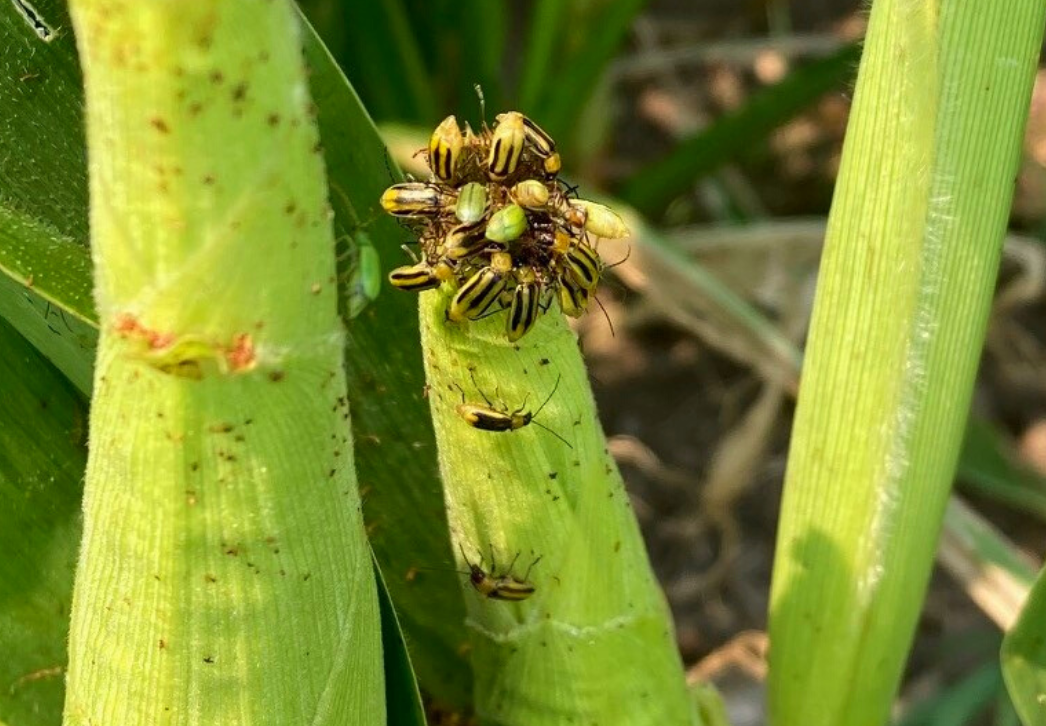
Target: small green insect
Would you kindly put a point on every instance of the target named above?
(472, 203)
(499, 587)
(491, 418)
(601, 220)
(507, 224)
(363, 282)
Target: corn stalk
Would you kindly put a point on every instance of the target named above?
(594, 643)
(909, 267)
(224, 575)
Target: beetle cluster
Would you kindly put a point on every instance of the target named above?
(496, 225)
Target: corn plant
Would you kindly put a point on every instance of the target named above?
(529, 492)
(223, 537)
(192, 351)
(223, 572)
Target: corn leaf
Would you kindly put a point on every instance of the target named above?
(43, 430)
(58, 316)
(909, 265)
(485, 27)
(384, 59)
(402, 700)
(42, 172)
(45, 284)
(395, 447)
(959, 704)
(543, 33)
(329, 19)
(1024, 658)
(988, 466)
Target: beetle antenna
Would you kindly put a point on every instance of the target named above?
(622, 261)
(607, 316)
(488, 313)
(527, 575)
(541, 425)
(472, 373)
(442, 569)
(393, 175)
(558, 379)
(569, 189)
(467, 560)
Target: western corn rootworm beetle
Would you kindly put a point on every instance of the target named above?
(491, 418)
(481, 290)
(499, 587)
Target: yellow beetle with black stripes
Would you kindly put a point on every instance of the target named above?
(481, 290)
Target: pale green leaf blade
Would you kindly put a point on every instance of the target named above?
(906, 280)
(1024, 658)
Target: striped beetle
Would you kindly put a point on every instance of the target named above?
(489, 418)
(499, 587)
(481, 290)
